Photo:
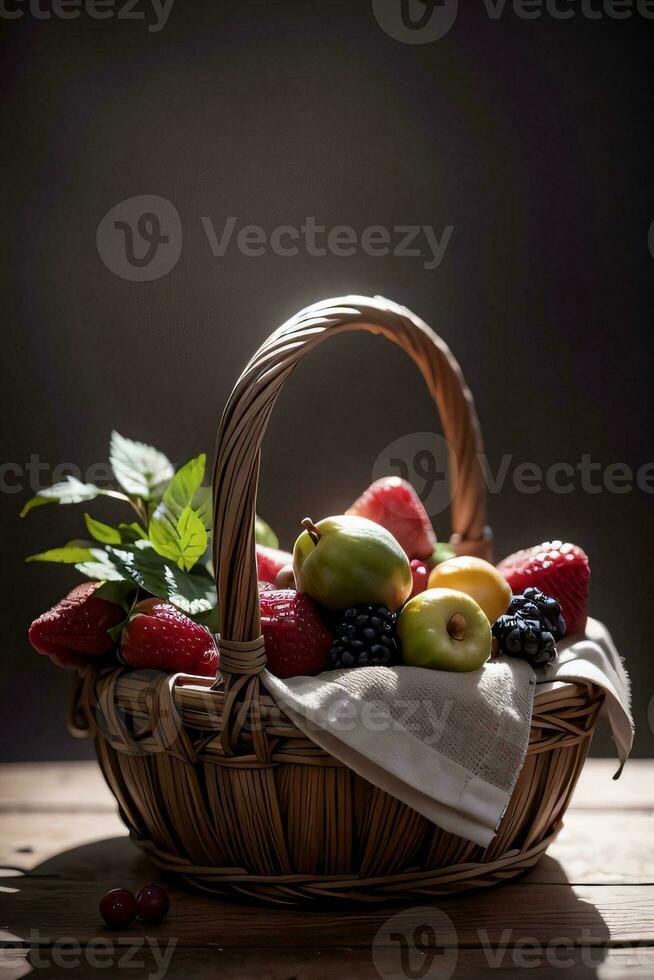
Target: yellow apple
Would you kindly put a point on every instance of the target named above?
(478, 579)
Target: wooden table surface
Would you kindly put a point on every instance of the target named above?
(587, 910)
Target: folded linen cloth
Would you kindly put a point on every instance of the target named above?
(449, 745)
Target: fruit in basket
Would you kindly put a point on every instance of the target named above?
(270, 561)
(393, 503)
(264, 534)
(533, 604)
(297, 640)
(349, 561)
(285, 578)
(76, 627)
(557, 569)
(420, 574)
(478, 579)
(444, 630)
(118, 908)
(365, 637)
(442, 552)
(524, 638)
(159, 636)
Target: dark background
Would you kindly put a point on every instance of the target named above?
(531, 137)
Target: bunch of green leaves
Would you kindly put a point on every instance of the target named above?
(165, 551)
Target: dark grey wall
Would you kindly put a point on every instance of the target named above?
(532, 138)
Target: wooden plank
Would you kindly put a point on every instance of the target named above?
(583, 915)
(600, 847)
(32, 840)
(598, 790)
(553, 963)
(55, 786)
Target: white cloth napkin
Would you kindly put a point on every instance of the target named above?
(449, 745)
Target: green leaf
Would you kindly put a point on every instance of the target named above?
(210, 619)
(176, 530)
(68, 555)
(100, 567)
(185, 484)
(69, 491)
(129, 533)
(115, 632)
(139, 469)
(193, 539)
(102, 532)
(184, 542)
(264, 534)
(117, 591)
(202, 504)
(192, 593)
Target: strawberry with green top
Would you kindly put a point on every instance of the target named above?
(160, 637)
(77, 628)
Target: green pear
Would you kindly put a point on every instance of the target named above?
(349, 561)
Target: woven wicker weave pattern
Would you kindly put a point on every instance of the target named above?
(218, 786)
(301, 826)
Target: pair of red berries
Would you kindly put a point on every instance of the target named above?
(119, 907)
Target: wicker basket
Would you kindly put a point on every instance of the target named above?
(219, 787)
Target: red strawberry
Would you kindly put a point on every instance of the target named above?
(163, 638)
(420, 573)
(559, 570)
(270, 561)
(297, 640)
(393, 503)
(76, 627)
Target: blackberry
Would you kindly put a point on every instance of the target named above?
(524, 638)
(365, 637)
(533, 604)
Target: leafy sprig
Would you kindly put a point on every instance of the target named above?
(165, 551)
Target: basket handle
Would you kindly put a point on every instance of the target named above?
(243, 425)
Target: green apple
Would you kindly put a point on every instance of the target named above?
(349, 561)
(444, 630)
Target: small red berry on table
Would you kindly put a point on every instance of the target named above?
(118, 908)
(152, 904)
